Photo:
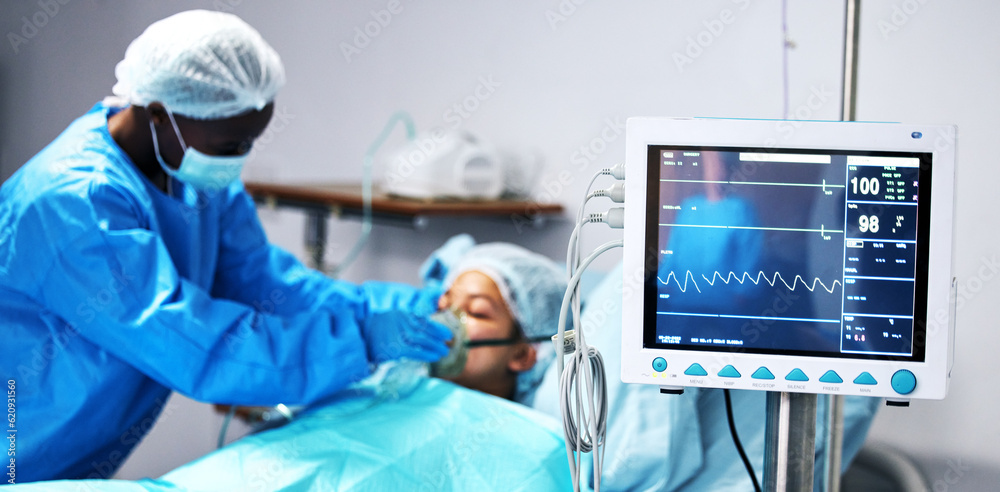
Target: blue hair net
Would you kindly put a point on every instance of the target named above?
(200, 64)
(532, 286)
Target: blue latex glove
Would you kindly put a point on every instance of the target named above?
(399, 334)
(426, 301)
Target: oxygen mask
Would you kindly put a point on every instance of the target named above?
(453, 363)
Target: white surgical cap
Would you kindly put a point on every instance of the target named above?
(200, 64)
(532, 286)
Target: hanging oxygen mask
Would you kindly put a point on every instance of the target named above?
(453, 363)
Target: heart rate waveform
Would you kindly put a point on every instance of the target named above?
(747, 277)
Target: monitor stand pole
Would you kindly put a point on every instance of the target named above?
(833, 426)
(790, 441)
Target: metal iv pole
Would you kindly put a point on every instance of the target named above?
(789, 441)
(833, 427)
(789, 445)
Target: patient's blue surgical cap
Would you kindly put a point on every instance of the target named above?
(532, 285)
(200, 64)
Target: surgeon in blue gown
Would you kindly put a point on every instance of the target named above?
(132, 264)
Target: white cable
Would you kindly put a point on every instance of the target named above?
(573, 248)
(585, 422)
(614, 218)
(594, 423)
(595, 398)
(618, 171)
(616, 192)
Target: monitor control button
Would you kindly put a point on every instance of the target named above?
(830, 377)
(659, 364)
(903, 382)
(696, 370)
(865, 378)
(797, 375)
(762, 373)
(729, 372)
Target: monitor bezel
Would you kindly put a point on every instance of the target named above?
(938, 141)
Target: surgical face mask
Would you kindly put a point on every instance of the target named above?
(201, 171)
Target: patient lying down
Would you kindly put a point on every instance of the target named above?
(509, 299)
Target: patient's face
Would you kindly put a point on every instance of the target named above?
(488, 368)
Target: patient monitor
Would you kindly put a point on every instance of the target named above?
(789, 256)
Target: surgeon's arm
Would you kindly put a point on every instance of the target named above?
(254, 272)
(114, 281)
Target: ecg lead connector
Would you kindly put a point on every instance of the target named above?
(616, 192)
(614, 218)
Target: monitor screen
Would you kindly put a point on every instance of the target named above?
(789, 256)
(792, 251)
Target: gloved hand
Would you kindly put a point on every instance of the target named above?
(426, 302)
(397, 334)
(387, 296)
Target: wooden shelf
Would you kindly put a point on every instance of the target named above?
(320, 201)
(347, 199)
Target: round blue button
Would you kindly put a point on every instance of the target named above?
(903, 382)
(659, 364)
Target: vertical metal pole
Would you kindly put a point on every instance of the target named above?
(833, 427)
(851, 35)
(316, 237)
(790, 441)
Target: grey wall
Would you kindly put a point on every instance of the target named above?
(565, 72)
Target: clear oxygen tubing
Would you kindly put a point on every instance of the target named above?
(225, 426)
(366, 187)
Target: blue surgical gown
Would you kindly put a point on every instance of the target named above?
(112, 294)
